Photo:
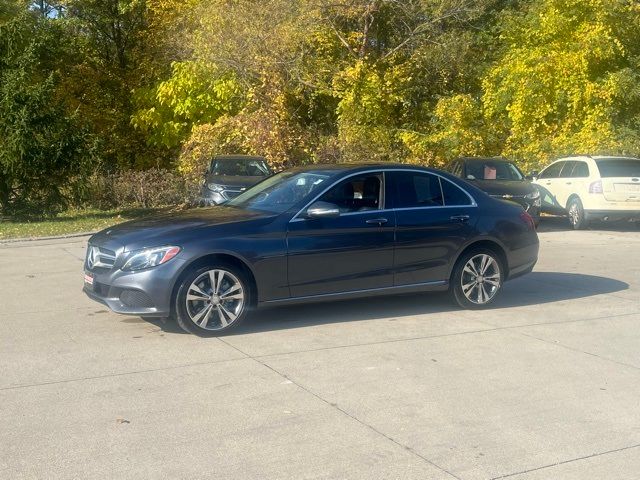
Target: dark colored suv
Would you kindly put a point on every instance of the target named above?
(501, 179)
(229, 175)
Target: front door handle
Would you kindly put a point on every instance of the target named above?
(377, 221)
(568, 183)
(459, 218)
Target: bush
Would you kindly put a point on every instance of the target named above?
(151, 188)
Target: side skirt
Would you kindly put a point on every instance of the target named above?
(436, 286)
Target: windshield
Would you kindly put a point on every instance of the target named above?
(619, 167)
(492, 170)
(252, 167)
(282, 191)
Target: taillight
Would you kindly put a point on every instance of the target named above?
(528, 219)
(595, 187)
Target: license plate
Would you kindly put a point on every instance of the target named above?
(626, 187)
(88, 279)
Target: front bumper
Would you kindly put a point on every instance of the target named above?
(147, 292)
(209, 198)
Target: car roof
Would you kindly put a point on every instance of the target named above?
(355, 167)
(237, 157)
(484, 159)
(594, 157)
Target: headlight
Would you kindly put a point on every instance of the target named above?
(214, 187)
(533, 195)
(150, 257)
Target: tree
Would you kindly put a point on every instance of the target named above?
(44, 146)
(568, 80)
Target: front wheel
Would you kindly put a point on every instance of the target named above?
(212, 300)
(477, 279)
(577, 217)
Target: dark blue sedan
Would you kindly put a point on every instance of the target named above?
(321, 232)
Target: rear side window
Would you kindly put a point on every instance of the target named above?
(417, 189)
(552, 171)
(580, 170)
(619, 167)
(454, 195)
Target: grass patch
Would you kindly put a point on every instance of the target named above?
(69, 222)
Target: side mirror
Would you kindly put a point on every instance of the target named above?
(323, 210)
(533, 175)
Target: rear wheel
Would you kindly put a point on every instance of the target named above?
(212, 300)
(577, 217)
(477, 279)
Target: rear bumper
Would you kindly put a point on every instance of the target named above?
(612, 215)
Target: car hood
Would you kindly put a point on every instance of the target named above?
(168, 228)
(504, 187)
(232, 180)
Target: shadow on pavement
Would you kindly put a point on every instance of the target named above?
(561, 224)
(533, 289)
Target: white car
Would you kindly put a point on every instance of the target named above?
(593, 188)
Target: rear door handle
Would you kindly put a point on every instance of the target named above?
(377, 221)
(568, 183)
(460, 218)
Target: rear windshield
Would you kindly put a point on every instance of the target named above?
(619, 167)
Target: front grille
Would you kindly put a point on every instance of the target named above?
(100, 258)
(519, 199)
(509, 197)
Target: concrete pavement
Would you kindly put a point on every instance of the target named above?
(544, 385)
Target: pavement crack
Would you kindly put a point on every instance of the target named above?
(343, 411)
(119, 374)
(593, 455)
(567, 347)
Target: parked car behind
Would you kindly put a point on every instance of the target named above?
(229, 175)
(594, 188)
(500, 178)
(314, 233)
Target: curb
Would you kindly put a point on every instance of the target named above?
(36, 239)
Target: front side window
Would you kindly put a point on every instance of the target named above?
(552, 171)
(567, 169)
(580, 170)
(357, 194)
(282, 191)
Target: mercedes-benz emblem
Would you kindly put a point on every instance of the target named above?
(92, 256)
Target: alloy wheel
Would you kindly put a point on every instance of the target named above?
(215, 299)
(574, 214)
(480, 279)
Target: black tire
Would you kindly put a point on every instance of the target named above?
(577, 217)
(215, 327)
(460, 276)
